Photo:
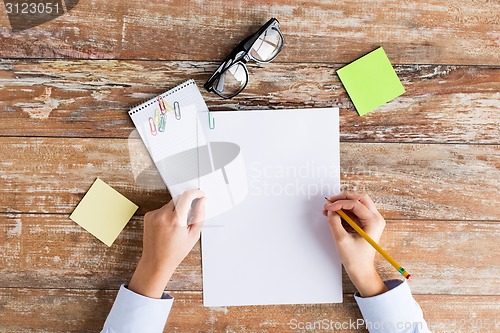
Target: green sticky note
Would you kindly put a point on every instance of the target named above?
(370, 81)
(103, 212)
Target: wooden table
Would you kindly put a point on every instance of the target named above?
(430, 158)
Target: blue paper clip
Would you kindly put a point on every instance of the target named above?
(211, 121)
(163, 123)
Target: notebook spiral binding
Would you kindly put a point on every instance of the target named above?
(153, 100)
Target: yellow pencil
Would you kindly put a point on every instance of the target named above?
(377, 247)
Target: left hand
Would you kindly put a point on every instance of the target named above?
(169, 235)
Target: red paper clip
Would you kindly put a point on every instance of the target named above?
(161, 103)
(152, 126)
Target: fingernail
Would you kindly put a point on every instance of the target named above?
(330, 213)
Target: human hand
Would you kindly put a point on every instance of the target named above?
(169, 235)
(356, 254)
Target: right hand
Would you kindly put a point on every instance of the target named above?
(356, 254)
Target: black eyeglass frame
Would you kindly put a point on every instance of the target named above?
(241, 54)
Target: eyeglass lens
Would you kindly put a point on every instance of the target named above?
(234, 79)
(267, 45)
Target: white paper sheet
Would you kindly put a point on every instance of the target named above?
(275, 247)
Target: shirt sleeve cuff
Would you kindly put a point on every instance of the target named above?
(392, 311)
(132, 312)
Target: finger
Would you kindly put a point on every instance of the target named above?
(175, 200)
(364, 198)
(170, 206)
(325, 212)
(183, 205)
(356, 207)
(344, 195)
(198, 216)
(335, 224)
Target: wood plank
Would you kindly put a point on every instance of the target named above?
(433, 31)
(90, 98)
(66, 310)
(407, 181)
(51, 251)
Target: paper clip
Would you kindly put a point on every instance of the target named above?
(177, 110)
(163, 123)
(157, 116)
(211, 121)
(152, 126)
(161, 103)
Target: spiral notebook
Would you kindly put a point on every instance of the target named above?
(169, 127)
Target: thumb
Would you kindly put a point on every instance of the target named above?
(336, 227)
(198, 216)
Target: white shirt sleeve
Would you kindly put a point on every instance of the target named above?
(132, 312)
(393, 311)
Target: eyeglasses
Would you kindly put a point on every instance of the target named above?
(231, 77)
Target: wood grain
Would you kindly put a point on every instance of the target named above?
(51, 251)
(54, 310)
(431, 32)
(430, 158)
(50, 175)
(443, 104)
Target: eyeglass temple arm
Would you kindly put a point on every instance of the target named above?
(222, 67)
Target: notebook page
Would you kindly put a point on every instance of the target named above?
(169, 127)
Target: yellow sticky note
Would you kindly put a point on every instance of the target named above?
(103, 212)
